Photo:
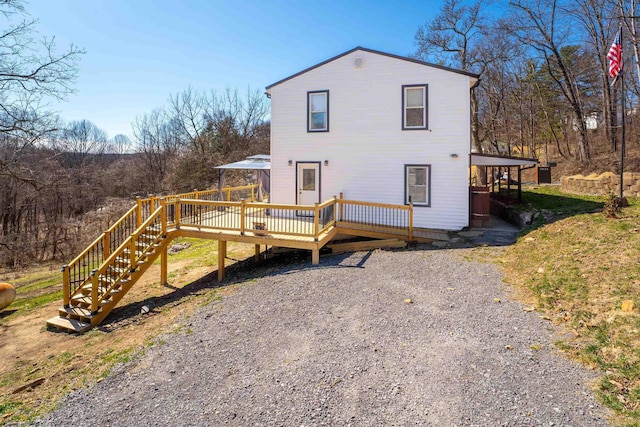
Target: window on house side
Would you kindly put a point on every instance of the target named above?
(418, 183)
(414, 108)
(318, 111)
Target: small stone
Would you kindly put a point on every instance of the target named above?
(508, 347)
(408, 301)
(529, 239)
(540, 270)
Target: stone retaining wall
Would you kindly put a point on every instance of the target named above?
(603, 184)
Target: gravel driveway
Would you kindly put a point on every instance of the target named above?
(338, 344)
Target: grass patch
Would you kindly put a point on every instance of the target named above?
(552, 199)
(578, 270)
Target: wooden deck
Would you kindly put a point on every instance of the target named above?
(96, 280)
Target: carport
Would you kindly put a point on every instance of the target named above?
(494, 165)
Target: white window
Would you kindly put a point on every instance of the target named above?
(414, 108)
(318, 111)
(418, 183)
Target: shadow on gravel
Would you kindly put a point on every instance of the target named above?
(239, 272)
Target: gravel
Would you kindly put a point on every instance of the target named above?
(340, 344)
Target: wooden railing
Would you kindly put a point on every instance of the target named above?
(387, 218)
(125, 258)
(254, 217)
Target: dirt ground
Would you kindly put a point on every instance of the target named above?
(40, 366)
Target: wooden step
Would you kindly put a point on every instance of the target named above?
(85, 301)
(78, 313)
(68, 324)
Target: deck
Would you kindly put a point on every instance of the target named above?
(96, 280)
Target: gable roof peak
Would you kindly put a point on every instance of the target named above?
(376, 52)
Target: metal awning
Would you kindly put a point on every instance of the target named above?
(259, 161)
(478, 159)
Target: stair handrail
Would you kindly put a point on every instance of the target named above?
(128, 243)
(98, 258)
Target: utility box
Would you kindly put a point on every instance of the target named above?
(544, 174)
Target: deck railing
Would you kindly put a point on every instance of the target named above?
(254, 217)
(390, 219)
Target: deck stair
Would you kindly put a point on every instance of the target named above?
(96, 297)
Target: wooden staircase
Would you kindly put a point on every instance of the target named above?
(108, 284)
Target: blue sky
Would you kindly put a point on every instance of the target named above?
(141, 51)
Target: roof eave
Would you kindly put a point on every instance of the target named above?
(377, 52)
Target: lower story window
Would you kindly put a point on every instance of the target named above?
(418, 184)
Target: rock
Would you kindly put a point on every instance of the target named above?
(439, 244)
(7, 295)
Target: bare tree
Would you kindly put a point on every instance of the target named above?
(120, 144)
(157, 139)
(82, 141)
(540, 25)
(453, 38)
(31, 73)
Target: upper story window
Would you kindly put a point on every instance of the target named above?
(414, 107)
(318, 111)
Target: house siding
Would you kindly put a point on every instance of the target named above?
(366, 148)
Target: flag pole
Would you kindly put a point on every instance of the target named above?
(623, 98)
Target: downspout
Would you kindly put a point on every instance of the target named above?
(475, 85)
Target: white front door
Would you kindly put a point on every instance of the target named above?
(308, 183)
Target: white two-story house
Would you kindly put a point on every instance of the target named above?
(375, 127)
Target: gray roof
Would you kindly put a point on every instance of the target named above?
(364, 49)
(259, 161)
(478, 159)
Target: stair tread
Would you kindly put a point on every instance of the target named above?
(76, 311)
(69, 324)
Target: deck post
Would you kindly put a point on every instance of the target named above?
(106, 246)
(132, 253)
(253, 198)
(411, 221)
(196, 196)
(222, 254)
(66, 286)
(340, 207)
(163, 266)
(243, 211)
(152, 203)
(163, 217)
(257, 257)
(177, 213)
(139, 212)
(315, 256)
(94, 291)
(316, 221)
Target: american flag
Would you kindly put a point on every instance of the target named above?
(615, 56)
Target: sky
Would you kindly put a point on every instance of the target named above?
(139, 52)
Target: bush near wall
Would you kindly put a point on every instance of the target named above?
(603, 184)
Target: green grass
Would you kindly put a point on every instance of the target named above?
(578, 270)
(551, 198)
